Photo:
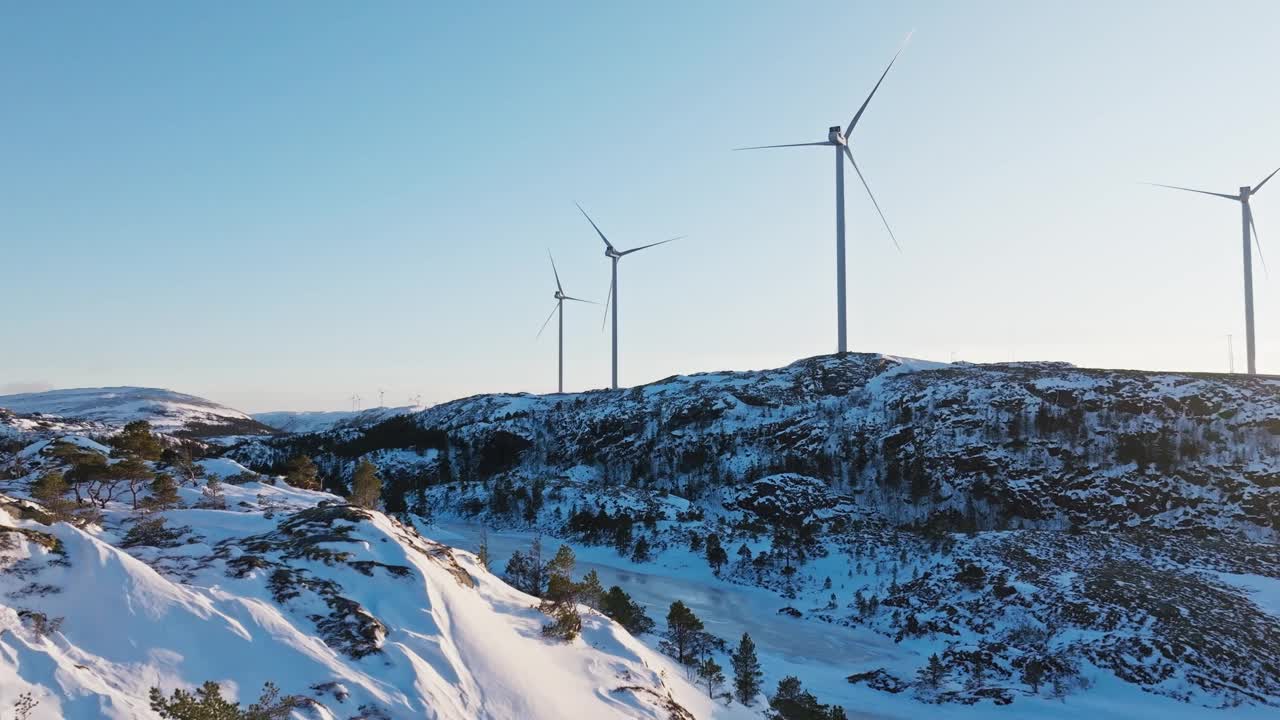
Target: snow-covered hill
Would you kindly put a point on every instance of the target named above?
(108, 409)
(259, 582)
(1119, 527)
(983, 446)
(302, 422)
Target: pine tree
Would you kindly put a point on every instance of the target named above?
(561, 565)
(683, 628)
(619, 606)
(207, 703)
(302, 473)
(716, 556)
(136, 441)
(50, 490)
(591, 591)
(366, 486)
(711, 675)
(932, 675)
(164, 493)
(561, 598)
(641, 551)
(746, 671)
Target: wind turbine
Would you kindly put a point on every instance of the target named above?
(840, 141)
(615, 255)
(559, 309)
(1247, 226)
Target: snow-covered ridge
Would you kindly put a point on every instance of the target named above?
(347, 607)
(298, 422)
(995, 446)
(112, 407)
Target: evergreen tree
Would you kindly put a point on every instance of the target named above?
(561, 565)
(746, 671)
(518, 573)
(619, 606)
(164, 493)
(561, 598)
(591, 591)
(711, 675)
(207, 703)
(302, 473)
(136, 441)
(716, 556)
(641, 552)
(793, 702)
(683, 629)
(561, 603)
(932, 675)
(366, 486)
(50, 490)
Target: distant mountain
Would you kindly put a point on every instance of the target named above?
(111, 408)
(299, 422)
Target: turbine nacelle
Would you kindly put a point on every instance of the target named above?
(836, 136)
(1245, 192)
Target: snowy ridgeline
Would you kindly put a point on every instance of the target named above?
(106, 410)
(957, 446)
(252, 581)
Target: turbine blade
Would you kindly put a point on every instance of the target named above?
(608, 301)
(593, 224)
(767, 147)
(544, 322)
(591, 302)
(1258, 243)
(1258, 187)
(553, 269)
(849, 154)
(1202, 192)
(853, 123)
(642, 247)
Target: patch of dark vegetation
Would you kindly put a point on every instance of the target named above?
(154, 531)
(347, 627)
(39, 623)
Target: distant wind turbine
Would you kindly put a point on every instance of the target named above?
(840, 141)
(1247, 227)
(559, 310)
(615, 255)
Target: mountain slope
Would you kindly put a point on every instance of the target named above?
(981, 446)
(301, 422)
(347, 607)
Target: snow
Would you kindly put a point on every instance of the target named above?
(166, 410)
(301, 422)
(451, 651)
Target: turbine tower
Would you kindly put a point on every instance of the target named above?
(559, 310)
(1247, 228)
(614, 256)
(840, 141)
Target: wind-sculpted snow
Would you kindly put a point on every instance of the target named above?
(345, 606)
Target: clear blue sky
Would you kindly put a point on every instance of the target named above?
(278, 204)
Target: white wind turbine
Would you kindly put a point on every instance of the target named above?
(840, 141)
(614, 256)
(1247, 228)
(559, 310)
